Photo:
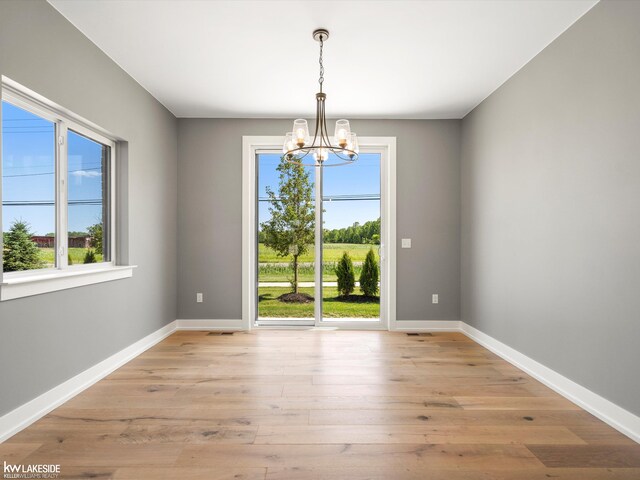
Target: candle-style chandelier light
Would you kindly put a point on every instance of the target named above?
(300, 149)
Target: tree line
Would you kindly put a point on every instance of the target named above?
(367, 233)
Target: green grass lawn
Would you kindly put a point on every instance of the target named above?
(270, 306)
(77, 256)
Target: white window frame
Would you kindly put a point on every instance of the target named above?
(62, 276)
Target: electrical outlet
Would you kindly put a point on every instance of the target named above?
(406, 243)
(434, 298)
(199, 298)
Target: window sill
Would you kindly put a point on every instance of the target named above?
(26, 286)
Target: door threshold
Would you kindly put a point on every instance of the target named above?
(285, 322)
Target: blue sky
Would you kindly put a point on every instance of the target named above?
(359, 178)
(28, 157)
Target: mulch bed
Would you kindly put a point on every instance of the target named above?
(356, 299)
(296, 298)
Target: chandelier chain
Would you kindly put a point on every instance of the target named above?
(321, 79)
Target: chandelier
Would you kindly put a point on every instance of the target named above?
(300, 149)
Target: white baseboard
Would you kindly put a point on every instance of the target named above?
(426, 326)
(210, 324)
(619, 418)
(25, 415)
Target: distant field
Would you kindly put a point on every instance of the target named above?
(282, 272)
(331, 253)
(270, 306)
(77, 256)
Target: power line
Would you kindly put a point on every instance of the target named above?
(48, 173)
(48, 203)
(333, 198)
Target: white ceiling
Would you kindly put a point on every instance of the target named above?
(384, 59)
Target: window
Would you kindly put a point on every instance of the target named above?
(88, 206)
(58, 192)
(28, 190)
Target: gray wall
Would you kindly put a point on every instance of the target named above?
(210, 213)
(551, 206)
(46, 339)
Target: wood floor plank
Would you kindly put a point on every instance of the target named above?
(434, 389)
(45, 432)
(338, 434)
(386, 434)
(213, 389)
(87, 473)
(162, 473)
(451, 417)
(582, 456)
(189, 473)
(347, 455)
(418, 380)
(420, 473)
(16, 451)
(85, 454)
(200, 375)
(176, 416)
(601, 434)
(516, 403)
(193, 432)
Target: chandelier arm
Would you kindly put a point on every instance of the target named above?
(306, 152)
(340, 155)
(323, 129)
(315, 132)
(326, 134)
(320, 121)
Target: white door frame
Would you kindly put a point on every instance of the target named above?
(387, 145)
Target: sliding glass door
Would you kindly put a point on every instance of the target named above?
(318, 242)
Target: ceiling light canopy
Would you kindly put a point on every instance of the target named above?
(340, 149)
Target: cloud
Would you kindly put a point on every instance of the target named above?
(86, 173)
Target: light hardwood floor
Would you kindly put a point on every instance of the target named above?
(293, 404)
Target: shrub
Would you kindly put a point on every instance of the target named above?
(90, 257)
(20, 252)
(346, 276)
(69, 259)
(369, 275)
(95, 232)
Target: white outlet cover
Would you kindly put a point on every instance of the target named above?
(406, 243)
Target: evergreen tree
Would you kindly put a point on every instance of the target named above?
(95, 232)
(90, 257)
(346, 275)
(369, 275)
(19, 251)
(290, 229)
